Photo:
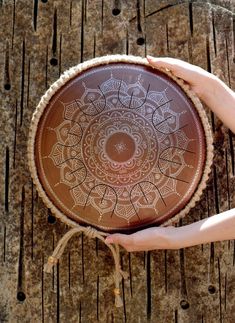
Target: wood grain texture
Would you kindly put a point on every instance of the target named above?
(39, 40)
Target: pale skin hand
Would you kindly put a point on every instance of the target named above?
(210, 89)
(221, 100)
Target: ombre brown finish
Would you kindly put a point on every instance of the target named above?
(120, 147)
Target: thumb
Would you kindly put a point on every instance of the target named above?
(122, 239)
(162, 62)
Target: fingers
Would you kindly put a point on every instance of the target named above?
(147, 239)
(196, 77)
(123, 240)
(140, 241)
(188, 72)
(164, 62)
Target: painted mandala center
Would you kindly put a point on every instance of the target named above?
(120, 147)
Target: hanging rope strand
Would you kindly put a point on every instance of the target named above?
(90, 233)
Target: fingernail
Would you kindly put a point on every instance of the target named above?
(109, 240)
(150, 57)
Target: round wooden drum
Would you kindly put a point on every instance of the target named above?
(119, 145)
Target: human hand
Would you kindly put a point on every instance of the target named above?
(147, 239)
(209, 88)
(199, 80)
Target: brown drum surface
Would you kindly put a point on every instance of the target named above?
(120, 147)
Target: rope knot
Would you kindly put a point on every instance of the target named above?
(52, 260)
(90, 232)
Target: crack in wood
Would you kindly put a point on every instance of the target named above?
(80, 312)
(97, 296)
(71, 13)
(220, 296)
(127, 42)
(21, 269)
(215, 189)
(7, 178)
(227, 57)
(42, 289)
(82, 31)
(176, 316)
(124, 302)
(102, 16)
(4, 243)
(208, 55)
(130, 274)
(69, 269)
(231, 150)
(233, 29)
(53, 269)
(227, 179)
(54, 33)
(190, 9)
(83, 262)
(94, 46)
(60, 54)
(165, 270)
(46, 69)
(233, 253)
(13, 23)
(138, 15)
(214, 33)
(225, 292)
(167, 39)
(7, 81)
(28, 86)
(58, 293)
(22, 83)
(149, 286)
(35, 14)
(183, 288)
(32, 220)
(15, 134)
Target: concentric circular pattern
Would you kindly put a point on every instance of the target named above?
(119, 147)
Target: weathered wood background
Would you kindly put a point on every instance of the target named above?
(39, 40)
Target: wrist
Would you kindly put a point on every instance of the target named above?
(210, 88)
(221, 100)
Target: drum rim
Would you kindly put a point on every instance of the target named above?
(73, 72)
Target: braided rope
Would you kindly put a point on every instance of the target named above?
(90, 233)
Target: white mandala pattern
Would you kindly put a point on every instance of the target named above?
(120, 148)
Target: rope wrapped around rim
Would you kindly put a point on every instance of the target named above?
(90, 232)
